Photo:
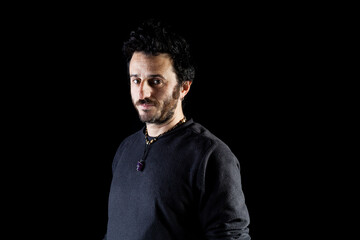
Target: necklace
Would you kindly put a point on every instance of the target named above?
(148, 142)
(141, 163)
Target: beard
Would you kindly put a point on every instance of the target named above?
(163, 112)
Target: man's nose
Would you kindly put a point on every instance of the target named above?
(144, 90)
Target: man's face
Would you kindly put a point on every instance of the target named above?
(155, 91)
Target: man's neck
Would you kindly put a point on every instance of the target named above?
(157, 129)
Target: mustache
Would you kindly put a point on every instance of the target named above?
(146, 101)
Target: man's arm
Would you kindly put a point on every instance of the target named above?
(223, 212)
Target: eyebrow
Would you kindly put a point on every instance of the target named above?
(149, 76)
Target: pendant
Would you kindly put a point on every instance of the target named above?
(140, 165)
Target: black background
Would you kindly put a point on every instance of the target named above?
(254, 88)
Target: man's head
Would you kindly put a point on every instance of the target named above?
(160, 71)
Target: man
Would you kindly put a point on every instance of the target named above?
(173, 179)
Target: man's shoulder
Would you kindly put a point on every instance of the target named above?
(210, 145)
(137, 134)
(132, 138)
(201, 133)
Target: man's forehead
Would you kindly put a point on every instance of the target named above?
(151, 64)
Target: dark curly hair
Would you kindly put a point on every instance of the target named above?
(153, 37)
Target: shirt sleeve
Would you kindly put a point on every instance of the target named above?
(222, 209)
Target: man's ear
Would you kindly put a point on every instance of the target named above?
(185, 88)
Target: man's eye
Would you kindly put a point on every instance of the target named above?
(136, 81)
(155, 81)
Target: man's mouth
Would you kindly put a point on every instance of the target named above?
(145, 104)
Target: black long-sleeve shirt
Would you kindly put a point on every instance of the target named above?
(190, 188)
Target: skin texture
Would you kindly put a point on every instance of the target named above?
(155, 91)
